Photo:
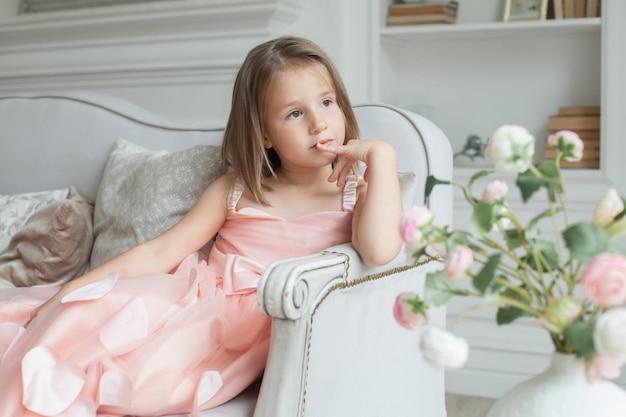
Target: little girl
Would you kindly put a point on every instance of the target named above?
(130, 337)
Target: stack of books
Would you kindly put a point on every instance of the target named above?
(568, 9)
(585, 121)
(422, 13)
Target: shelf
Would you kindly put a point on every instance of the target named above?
(534, 28)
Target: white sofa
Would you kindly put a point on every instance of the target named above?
(335, 349)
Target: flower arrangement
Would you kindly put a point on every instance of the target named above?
(573, 285)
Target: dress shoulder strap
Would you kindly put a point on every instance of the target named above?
(235, 194)
(349, 193)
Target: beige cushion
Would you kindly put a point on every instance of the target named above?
(53, 246)
(15, 209)
(143, 193)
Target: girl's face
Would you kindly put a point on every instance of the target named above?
(301, 110)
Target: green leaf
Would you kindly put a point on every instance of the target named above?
(586, 240)
(579, 338)
(507, 314)
(486, 275)
(547, 249)
(438, 289)
(513, 238)
(431, 181)
(482, 218)
(529, 183)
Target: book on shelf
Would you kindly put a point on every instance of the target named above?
(574, 123)
(569, 7)
(421, 8)
(422, 13)
(555, 9)
(579, 111)
(420, 19)
(579, 8)
(592, 8)
(576, 8)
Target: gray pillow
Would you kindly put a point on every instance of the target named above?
(53, 246)
(143, 193)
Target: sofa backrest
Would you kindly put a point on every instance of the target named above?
(60, 140)
(52, 141)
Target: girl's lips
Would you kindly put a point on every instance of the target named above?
(323, 142)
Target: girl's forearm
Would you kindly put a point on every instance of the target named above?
(138, 260)
(375, 232)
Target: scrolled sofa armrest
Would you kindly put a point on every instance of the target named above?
(290, 291)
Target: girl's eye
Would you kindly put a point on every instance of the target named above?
(294, 114)
(327, 102)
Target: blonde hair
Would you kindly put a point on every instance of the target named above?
(242, 148)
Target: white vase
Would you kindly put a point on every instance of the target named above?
(562, 390)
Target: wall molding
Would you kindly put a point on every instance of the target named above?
(179, 42)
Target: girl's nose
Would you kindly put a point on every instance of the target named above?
(317, 123)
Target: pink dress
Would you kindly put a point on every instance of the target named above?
(160, 343)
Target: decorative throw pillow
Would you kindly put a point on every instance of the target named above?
(15, 209)
(143, 193)
(53, 246)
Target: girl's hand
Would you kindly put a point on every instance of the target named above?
(365, 151)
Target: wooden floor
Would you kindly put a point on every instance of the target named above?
(465, 406)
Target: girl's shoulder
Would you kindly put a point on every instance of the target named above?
(219, 190)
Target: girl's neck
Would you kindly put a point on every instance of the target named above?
(303, 177)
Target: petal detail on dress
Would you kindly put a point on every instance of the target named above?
(115, 389)
(49, 388)
(210, 384)
(82, 407)
(92, 291)
(33, 361)
(129, 326)
(9, 333)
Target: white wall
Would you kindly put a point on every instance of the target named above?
(176, 59)
(179, 61)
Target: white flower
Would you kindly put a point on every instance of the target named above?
(610, 334)
(442, 349)
(495, 191)
(511, 148)
(609, 206)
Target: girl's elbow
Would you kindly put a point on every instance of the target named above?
(381, 256)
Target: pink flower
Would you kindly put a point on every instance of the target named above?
(411, 225)
(568, 143)
(409, 311)
(442, 349)
(458, 261)
(495, 191)
(603, 367)
(603, 281)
